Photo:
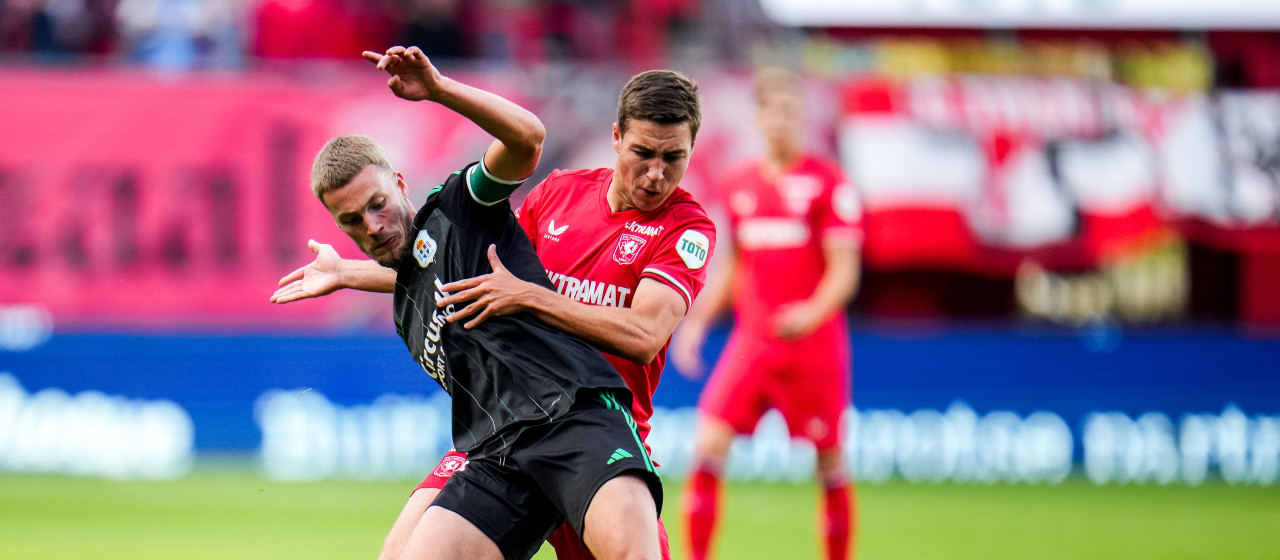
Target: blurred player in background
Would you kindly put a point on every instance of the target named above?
(626, 248)
(540, 412)
(793, 268)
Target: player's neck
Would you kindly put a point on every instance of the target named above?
(613, 196)
(780, 157)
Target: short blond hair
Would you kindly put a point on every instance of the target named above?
(341, 159)
(775, 79)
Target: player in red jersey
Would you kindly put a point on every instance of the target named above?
(795, 226)
(626, 248)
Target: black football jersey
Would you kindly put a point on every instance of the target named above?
(509, 372)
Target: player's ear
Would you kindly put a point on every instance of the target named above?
(617, 138)
(403, 186)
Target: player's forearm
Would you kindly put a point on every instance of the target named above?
(519, 132)
(620, 331)
(367, 276)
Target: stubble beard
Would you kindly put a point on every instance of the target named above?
(398, 255)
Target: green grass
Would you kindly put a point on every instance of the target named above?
(234, 513)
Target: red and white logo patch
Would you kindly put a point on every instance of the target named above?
(449, 465)
(629, 246)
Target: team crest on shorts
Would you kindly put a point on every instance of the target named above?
(424, 249)
(629, 246)
(451, 464)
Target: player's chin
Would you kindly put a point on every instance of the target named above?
(648, 200)
(390, 256)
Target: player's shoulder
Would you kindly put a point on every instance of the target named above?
(576, 177)
(563, 185)
(682, 207)
(825, 166)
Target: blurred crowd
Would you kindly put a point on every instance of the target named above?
(185, 34)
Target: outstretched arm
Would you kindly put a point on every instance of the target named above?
(329, 273)
(517, 133)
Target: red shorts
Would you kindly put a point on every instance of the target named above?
(564, 539)
(808, 381)
(449, 464)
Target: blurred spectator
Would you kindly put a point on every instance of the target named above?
(644, 28)
(56, 26)
(322, 28)
(433, 25)
(181, 34)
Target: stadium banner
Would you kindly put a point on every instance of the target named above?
(149, 202)
(979, 173)
(969, 405)
(146, 200)
(1014, 14)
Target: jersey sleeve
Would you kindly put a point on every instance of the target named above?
(529, 210)
(837, 214)
(681, 258)
(485, 188)
(457, 199)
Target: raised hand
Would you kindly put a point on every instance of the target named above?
(413, 77)
(797, 320)
(319, 278)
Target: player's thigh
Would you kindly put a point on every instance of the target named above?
(503, 503)
(622, 518)
(738, 389)
(404, 525)
(812, 390)
(444, 535)
(575, 456)
(569, 546)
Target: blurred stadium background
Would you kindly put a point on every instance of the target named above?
(1067, 341)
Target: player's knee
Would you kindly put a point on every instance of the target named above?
(714, 438)
(831, 468)
(831, 459)
(621, 549)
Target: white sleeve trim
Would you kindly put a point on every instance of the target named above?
(688, 298)
(498, 180)
(471, 189)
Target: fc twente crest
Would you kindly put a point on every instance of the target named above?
(629, 246)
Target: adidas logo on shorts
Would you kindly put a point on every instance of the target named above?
(619, 455)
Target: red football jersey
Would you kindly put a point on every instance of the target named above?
(779, 225)
(597, 256)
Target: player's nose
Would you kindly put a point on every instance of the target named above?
(374, 225)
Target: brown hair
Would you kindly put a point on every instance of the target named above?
(341, 159)
(775, 79)
(662, 97)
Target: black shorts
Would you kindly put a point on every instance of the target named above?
(549, 475)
